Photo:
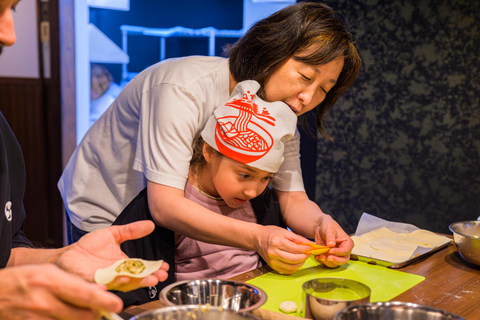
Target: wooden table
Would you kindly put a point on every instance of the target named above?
(450, 284)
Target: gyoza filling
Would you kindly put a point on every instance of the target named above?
(131, 266)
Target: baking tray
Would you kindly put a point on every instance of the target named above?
(398, 265)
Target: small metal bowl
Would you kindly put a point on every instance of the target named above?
(393, 310)
(230, 295)
(466, 235)
(324, 297)
(190, 312)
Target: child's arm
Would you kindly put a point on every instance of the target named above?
(277, 246)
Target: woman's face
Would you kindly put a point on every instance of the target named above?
(7, 31)
(302, 86)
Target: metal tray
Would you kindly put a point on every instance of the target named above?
(398, 265)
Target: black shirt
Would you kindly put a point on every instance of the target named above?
(12, 189)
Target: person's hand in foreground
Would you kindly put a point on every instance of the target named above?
(101, 248)
(47, 292)
(281, 249)
(330, 234)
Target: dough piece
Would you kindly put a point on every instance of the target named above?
(288, 306)
(393, 246)
(377, 250)
(392, 249)
(135, 268)
(315, 249)
(424, 238)
(386, 245)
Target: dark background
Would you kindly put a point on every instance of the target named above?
(407, 134)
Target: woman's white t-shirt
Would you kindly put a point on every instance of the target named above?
(147, 133)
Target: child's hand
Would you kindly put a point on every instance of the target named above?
(281, 249)
(330, 234)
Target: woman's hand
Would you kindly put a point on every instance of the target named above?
(330, 234)
(101, 248)
(47, 292)
(281, 249)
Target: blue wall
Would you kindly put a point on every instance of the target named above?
(145, 51)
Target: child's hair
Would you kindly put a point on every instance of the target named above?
(198, 161)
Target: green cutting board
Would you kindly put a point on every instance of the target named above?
(385, 283)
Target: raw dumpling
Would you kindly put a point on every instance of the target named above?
(315, 249)
(134, 267)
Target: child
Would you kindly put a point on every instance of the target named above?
(240, 149)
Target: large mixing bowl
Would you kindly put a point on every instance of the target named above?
(192, 313)
(393, 311)
(466, 235)
(232, 295)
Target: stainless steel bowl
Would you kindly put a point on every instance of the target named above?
(190, 312)
(393, 311)
(466, 235)
(324, 297)
(231, 295)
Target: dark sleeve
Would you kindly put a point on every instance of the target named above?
(159, 245)
(19, 239)
(267, 209)
(12, 189)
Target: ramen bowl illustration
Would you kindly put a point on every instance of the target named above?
(247, 145)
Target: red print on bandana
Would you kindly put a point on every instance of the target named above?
(244, 137)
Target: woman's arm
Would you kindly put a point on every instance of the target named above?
(305, 217)
(277, 246)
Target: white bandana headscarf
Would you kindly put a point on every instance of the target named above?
(250, 130)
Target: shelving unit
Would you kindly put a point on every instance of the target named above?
(95, 47)
(163, 33)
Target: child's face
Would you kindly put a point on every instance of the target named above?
(236, 182)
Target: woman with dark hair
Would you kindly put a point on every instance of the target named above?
(302, 55)
(311, 33)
